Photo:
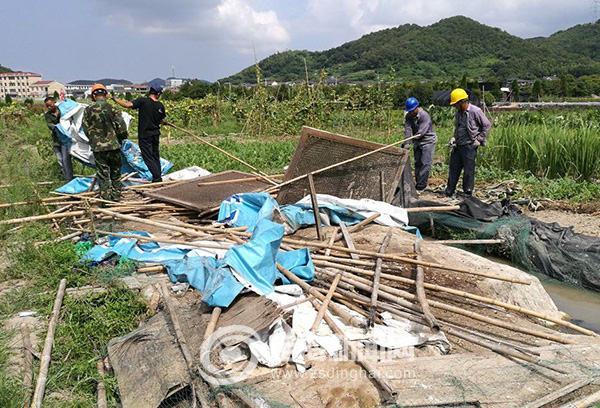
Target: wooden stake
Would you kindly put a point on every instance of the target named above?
(40, 387)
(315, 206)
(420, 291)
(584, 402)
(376, 277)
(101, 390)
(27, 365)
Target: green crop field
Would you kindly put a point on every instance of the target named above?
(550, 154)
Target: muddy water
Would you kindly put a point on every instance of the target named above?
(582, 305)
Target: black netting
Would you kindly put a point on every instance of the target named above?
(537, 246)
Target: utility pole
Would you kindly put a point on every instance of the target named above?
(173, 71)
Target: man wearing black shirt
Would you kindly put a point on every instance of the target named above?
(151, 115)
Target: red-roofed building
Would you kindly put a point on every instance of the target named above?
(18, 84)
(41, 89)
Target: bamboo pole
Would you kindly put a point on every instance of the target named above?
(561, 392)
(403, 259)
(43, 217)
(469, 242)
(40, 387)
(187, 231)
(212, 324)
(413, 210)
(360, 156)
(239, 180)
(348, 240)
(584, 402)
(260, 173)
(101, 389)
(420, 292)
(346, 317)
(464, 294)
(457, 332)
(383, 382)
(321, 245)
(27, 365)
(356, 227)
(325, 303)
(402, 298)
(376, 277)
(315, 206)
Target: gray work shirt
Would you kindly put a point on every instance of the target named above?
(471, 125)
(419, 124)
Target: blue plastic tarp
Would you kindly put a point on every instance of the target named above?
(133, 161)
(246, 210)
(249, 265)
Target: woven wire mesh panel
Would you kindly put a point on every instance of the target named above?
(375, 176)
(188, 194)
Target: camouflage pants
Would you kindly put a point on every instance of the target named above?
(108, 166)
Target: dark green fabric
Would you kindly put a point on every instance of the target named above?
(51, 121)
(104, 126)
(108, 172)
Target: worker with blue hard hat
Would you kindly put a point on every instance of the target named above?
(152, 114)
(418, 122)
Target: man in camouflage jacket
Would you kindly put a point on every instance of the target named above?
(105, 128)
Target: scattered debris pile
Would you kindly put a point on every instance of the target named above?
(261, 290)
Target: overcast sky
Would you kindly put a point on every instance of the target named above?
(210, 39)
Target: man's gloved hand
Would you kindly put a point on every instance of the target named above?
(405, 145)
(476, 143)
(452, 142)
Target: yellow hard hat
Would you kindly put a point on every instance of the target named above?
(458, 95)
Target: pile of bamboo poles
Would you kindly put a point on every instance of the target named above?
(368, 281)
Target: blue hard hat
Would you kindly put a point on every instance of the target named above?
(156, 88)
(411, 104)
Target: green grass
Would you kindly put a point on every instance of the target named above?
(549, 154)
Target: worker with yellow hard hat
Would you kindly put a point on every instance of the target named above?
(471, 128)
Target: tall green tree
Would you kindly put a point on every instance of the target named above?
(7, 99)
(514, 88)
(463, 82)
(536, 90)
(496, 91)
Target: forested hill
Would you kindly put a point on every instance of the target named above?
(445, 50)
(4, 69)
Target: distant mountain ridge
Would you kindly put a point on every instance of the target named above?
(103, 81)
(445, 50)
(4, 69)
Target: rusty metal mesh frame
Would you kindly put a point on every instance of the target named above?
(189, 195)
(359, 179)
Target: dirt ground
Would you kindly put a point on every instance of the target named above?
(588, 224)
